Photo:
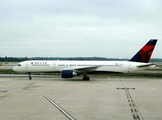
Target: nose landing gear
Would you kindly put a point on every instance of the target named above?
(30, 77)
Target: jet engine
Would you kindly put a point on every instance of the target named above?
(68, 73)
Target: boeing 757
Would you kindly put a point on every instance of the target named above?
(69, 69)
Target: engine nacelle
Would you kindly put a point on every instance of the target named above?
(68, 73)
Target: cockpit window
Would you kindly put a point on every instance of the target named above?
(19, 65)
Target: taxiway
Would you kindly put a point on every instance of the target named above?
(101, 98)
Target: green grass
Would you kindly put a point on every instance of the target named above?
(7, 71)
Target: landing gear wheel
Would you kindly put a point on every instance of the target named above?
(30, 78)
(86, 78)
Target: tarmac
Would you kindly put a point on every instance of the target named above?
(101, 98)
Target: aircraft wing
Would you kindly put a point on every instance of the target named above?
(147, 65)
(85, 69)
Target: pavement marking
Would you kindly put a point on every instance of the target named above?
(134, 110)
(60, 109)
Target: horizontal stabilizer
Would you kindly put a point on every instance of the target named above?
(147, 65)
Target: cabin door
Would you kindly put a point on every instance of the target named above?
(54, 66)
(27, 66)
(129, 68)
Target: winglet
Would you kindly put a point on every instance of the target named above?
(144, 54)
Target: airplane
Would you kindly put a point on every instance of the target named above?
(69, 69)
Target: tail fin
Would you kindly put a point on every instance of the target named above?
(144, 54)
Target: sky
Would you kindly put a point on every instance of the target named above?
(79, 28)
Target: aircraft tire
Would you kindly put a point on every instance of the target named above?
(86, 78)
(30, 78)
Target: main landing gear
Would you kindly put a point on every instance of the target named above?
(85, 77)
(30, 77)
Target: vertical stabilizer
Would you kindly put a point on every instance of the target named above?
(144, 54)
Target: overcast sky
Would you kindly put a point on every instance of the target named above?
(79, 28)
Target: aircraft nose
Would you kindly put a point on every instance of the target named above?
(15, 68)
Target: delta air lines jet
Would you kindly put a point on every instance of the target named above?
(69, 69)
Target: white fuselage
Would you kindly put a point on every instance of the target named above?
(78, 66)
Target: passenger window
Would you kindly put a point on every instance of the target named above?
(19, 64)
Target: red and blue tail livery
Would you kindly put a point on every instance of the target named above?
(144, 54)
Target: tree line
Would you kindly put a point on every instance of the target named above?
(19, 59)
